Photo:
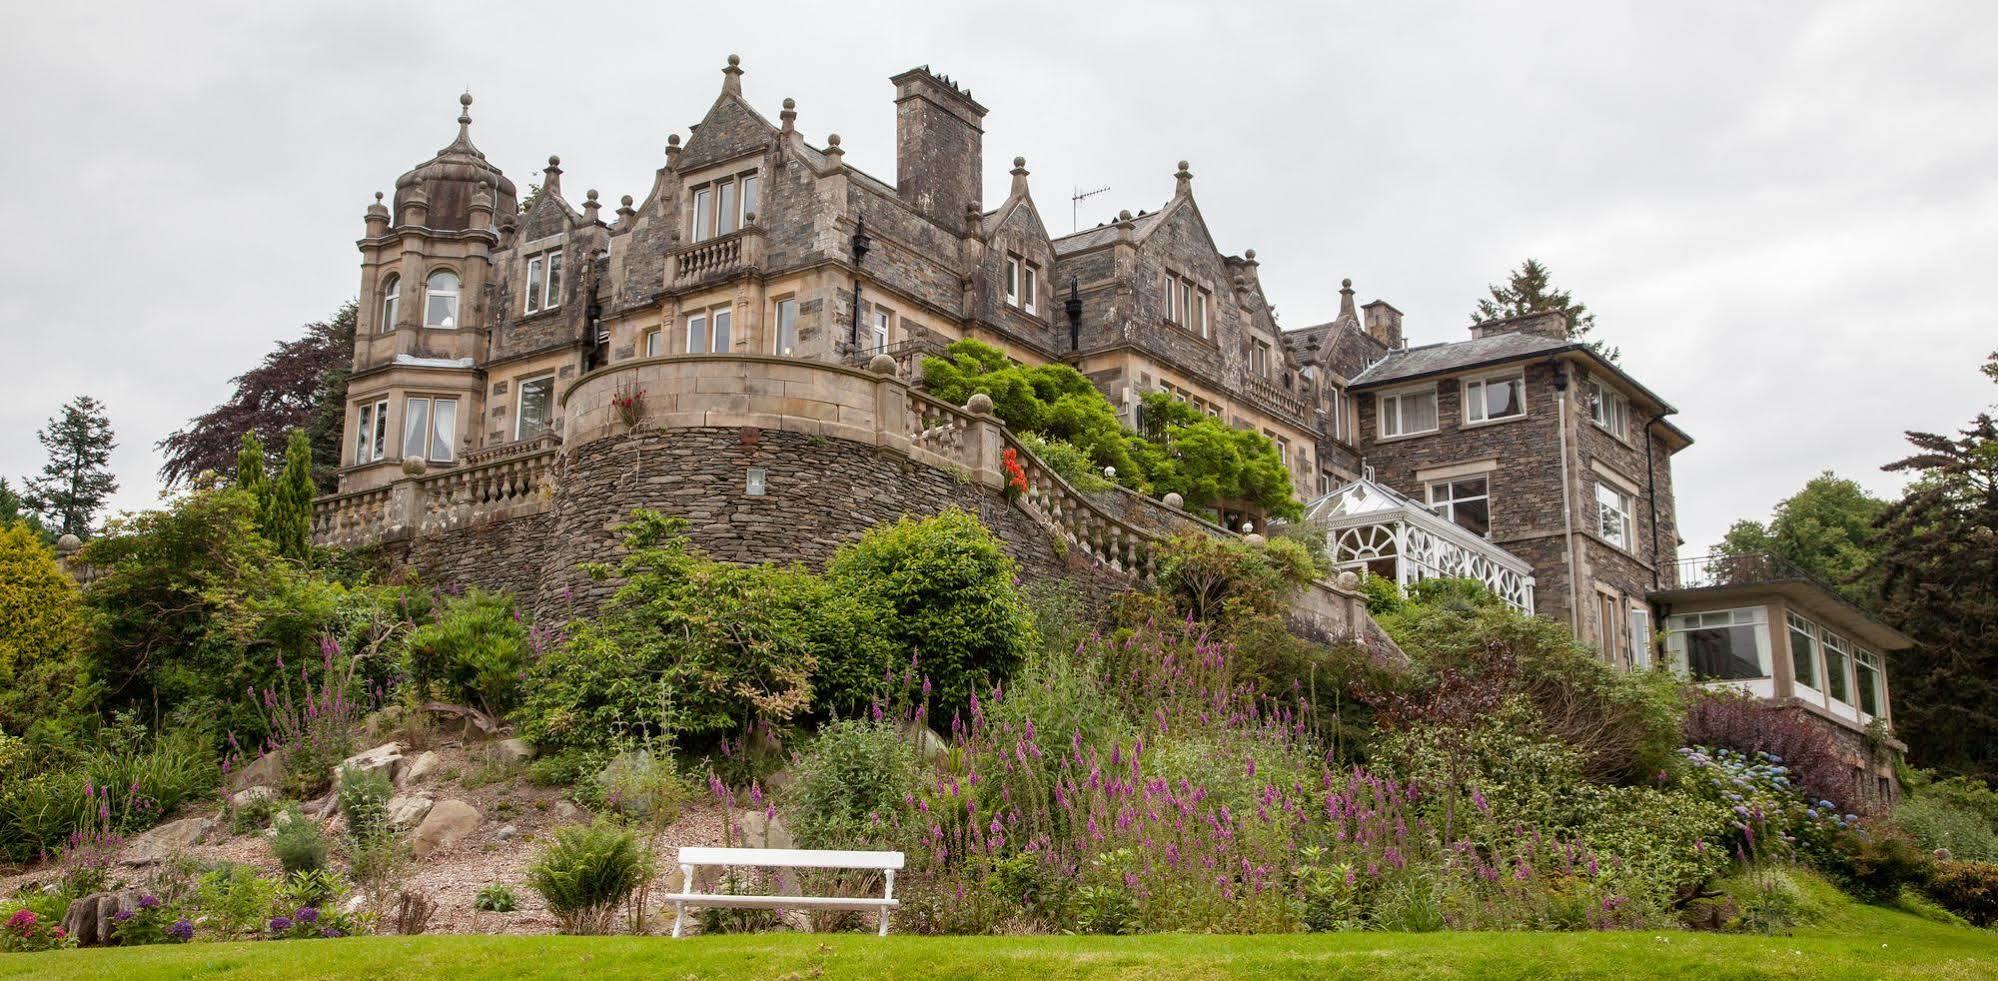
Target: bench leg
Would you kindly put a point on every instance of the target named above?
(884, 921)
(679, 918)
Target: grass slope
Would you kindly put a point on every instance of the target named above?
(1855, 942)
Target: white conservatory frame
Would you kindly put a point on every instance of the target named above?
(1368, 524)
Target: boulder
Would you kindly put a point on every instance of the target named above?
(383, 757)
(761, 829)
(266, 770)
(408, 811)
(448, 823)
(92, 918)
(166, 840)
(250, 795)
(510, 750)
(568, 813)
(928, 744)
(424, 766)
(507, 832)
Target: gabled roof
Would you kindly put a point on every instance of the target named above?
(1090, 238)
(1409, 364)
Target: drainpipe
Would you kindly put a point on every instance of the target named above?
(861, 243)
(1651, 491)
(1567, 502)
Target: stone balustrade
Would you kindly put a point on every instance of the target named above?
(717, 257)
(500, 486)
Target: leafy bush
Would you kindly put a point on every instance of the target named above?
(851, 782)
(1771, 899)
(154, 921)
(1937, 822)
(363, 797)
(1068, 461)
(1218, 581)
(1746, 724)
(42, 633)
(133, 779)
(495, 898)
(1770, 815)
(944, 592)
(474, 653)
(1968, 889)
(586, 872)
(639, 784)
(23, 930)
(299, 845)
(1876, 865)
(234, 899)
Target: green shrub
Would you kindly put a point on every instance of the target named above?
(1218, 582)
(1068, 461)
(299, 845)
(234, 899)
(587, 872)
(363, 797)
(1876, 866)
(495, 898)
(255, 814)
(474, 653)
(1768, 899)
(1938, 821)
(564, 769)
(42, 634)
(639, 784)
(851, 782)
(942, 592)
(141, 780)
(1968, 889)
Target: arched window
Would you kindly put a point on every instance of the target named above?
(391, 302)
(440, 307)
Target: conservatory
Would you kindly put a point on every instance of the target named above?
(1370, 528)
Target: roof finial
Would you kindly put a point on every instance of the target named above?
(1185, 178)
(732, 76)
(551, 176)
(789, 115)
(1019, 177)
(1346, 300)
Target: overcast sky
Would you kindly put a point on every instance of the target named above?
(1786, 215)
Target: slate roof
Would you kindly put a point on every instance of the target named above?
(1104, 234)
(1436, 359)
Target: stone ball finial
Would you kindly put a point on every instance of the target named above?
(881, 364)
(1252, 538)
(1173, 500)
(465, 100)
(832, 139)
(735, 61)
(673, 141)
(1345, 284)
(554, 161)
(1124, 215)
(1249, 254)
(591, 194)
(378, 197)
(980, 404)
(790, 103)
(1182, 165)
(1349, 580)
(68, 544)
(414, 466)
(1019, 161)
(626, 200)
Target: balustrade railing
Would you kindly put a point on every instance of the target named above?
(1717, 569)
(1275, 396)
(503, 484)
(717, 256)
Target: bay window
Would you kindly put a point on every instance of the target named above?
(1491, 399)
(371, 432)
(1407, 413)
(1804, 651)
(1723, 645)
(391, 303)
(786, 342)
(1838, 665)
(534, 411)
(429, 429)
(440, 304)
(708, 331)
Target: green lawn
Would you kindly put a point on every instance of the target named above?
(1861, 943)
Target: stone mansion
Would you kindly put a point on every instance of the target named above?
(764, 306)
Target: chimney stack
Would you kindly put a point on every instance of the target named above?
(939, 156)
(1383, 323)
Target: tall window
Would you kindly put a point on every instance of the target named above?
(1866, 675)
(440, 302)
(1031, 289)
(391, 302)
(787, 327)
(719, 206)
(655, 343)
(1640, 637)
(1804, 651)
(544, 281)
(1610, 627)
(1259, 359)
(1725, 645)
(1609, 410)
(371, 432)
(1335, 414)
(1614, 507)
(1488, 399)
(535, 411)
(708, 331)
(429, 429)
(1408, 413)
(1186, 304)
(1838, 658)
(877, 330)
(1200, 312)
(1466, 501)
(1023, 284)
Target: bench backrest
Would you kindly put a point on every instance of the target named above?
(794, 858)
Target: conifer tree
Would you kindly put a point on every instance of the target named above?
(1529, 289)
(77, 481)
(253, 476)
(289, 525)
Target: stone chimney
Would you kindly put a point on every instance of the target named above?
(1383, 323)
(939, 159)
(1546, 323)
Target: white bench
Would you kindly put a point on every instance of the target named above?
(692, 859)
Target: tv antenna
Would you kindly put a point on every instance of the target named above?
(1075, 206)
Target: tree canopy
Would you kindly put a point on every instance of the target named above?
(76, 482)
(1530, 289)
(1825, 529)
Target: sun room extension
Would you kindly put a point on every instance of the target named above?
(1370, 528)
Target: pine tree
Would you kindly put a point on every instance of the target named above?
(253, 476)
(290, 522)
(1529, 289)
(77, 480)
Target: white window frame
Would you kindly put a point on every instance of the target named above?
(1477, 411)
(391, 305)
(880, 327)
(520, 405)
(544, 280)
(1015, 272)
(717, 324)
(1171, 298)
(1200, 312)
(437, 447)
(1623, 506)
(1447, 508)
(655, 343)
(1259, 358)
(1609, 410)
(1813, 634)
(1640, 637)
(1679, 625)
(1397, 398)
(1869, 661)
(1845, 649)
(454, 295)
(1029, 296)
(778, 328)
(371, 431)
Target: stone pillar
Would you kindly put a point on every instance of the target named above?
(982, 444)
(891, 406)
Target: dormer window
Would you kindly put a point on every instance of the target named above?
(544, 280)
(1186, 304)
(719, 206)
(440, 302)
(1023, 284)
(391, 303)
